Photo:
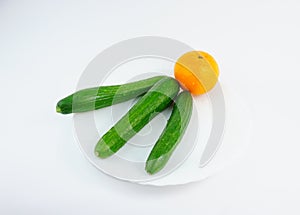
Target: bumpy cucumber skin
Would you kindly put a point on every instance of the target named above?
(100, 97)
(172, 134)
(158, 98)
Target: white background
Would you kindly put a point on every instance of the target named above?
(45, 46)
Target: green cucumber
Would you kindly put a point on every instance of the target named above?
(100, 97)
(172, 134)
(158, 98)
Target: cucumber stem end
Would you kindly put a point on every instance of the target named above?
(58, 110)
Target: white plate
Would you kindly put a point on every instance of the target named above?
(183, 167)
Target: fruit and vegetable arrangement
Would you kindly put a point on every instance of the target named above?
(195, 72)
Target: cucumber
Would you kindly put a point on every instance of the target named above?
(100, 97)
(159, 97)
(172, 134)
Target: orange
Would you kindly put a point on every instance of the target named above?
(197, 71)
